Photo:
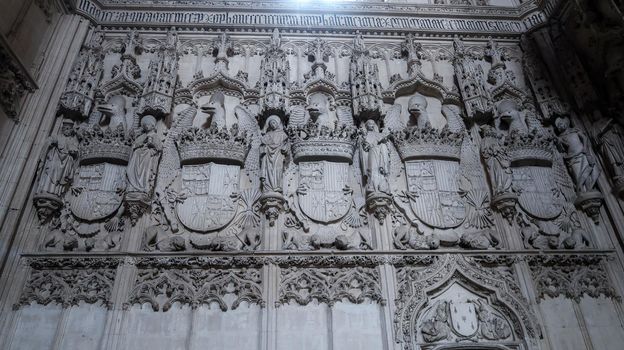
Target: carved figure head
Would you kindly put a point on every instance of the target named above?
(441, 313)
(318, 105)
(273, 123)
(116, 106)
(371, 125)
(148, 123)
(417, 105)
(67, 128)
(508, 111)
(562, 124)
(216, 103)
(46, 207)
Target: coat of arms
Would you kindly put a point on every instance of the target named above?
(210, 192)
(537, 191)
(323, 192)
(434, 192)
(463, 318)
(98, 191)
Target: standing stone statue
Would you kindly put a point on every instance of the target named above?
(497, 160)
(574, 146)
(609, 137)
(374, 158)
(143, 164)
(276, 40)
(273, 155)
(60, 162)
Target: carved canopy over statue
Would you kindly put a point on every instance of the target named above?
(339, 142)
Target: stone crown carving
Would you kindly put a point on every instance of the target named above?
(530, 148)
(97, 145)
(427, 142)
(314, 142)
(197, 145)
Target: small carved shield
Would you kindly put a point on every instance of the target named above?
(464, 318)
(98, 191)
(435, 199)
(211, 202)
(537, 196)
(324, 198)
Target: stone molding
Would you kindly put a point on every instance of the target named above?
(378, 17)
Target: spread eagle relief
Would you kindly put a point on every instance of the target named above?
(320, 187)
(323, 144)
(325, 203)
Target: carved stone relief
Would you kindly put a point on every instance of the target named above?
(68, 282)
(571, 276)
(161, 288)
(456, 300)
(329, 285)
(320, 153)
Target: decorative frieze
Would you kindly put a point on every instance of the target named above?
(90, 282)
(329, 285)
(163, 287)
(571, 276)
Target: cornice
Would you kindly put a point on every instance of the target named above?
(368, 17)
(281, 253)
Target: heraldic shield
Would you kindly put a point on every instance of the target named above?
(537, 196)
(211, 196)
(434, 188)
(463, 317)
(98, 191)
(324, 198)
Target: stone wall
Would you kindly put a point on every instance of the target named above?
(312, 185)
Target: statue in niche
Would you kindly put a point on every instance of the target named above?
(215, 109)
(276, 40)
(358, 42)
(417, 108)
(609, 136)
(497, 160)
(273, 151)
(575, 149)
(374, 158)
(57, 169)
(113, 113)
(318, 107)
(436, 328)
(143, 164)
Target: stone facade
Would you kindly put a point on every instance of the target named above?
(427, 174)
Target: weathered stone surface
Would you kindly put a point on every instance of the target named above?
(335, 178)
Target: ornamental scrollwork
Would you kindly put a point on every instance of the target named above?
(161, 288)
(329, 285)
